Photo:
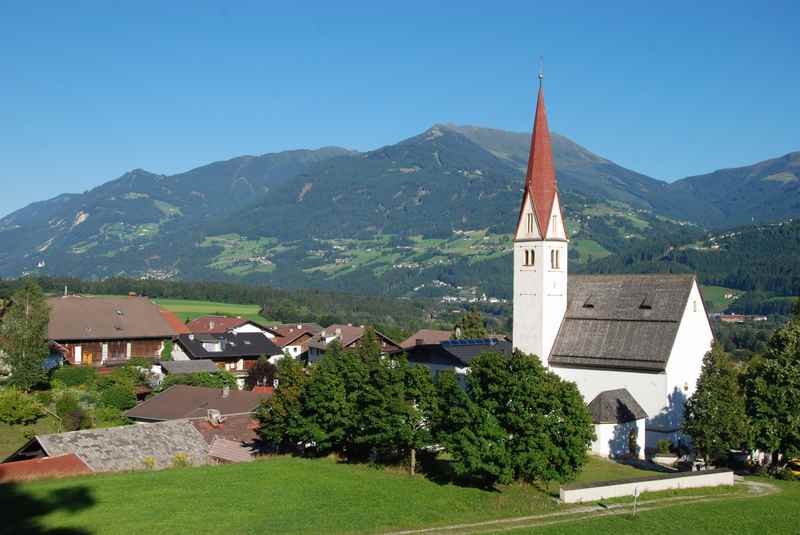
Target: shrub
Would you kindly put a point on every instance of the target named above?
(107, 416)
(663, 446)
(75, 375)
(149, 462)
(118, 396)
(166, 353)
(216, 379)
(17, 407)
(44, 397)
(181, 460)
(72, 415)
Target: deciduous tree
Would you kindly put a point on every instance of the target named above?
(772, 395)
(23, 336)
(470, 325)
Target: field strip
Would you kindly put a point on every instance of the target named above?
(755, 490)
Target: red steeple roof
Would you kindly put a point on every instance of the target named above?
(540, 181)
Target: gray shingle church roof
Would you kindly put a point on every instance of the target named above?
(127, 447)
(615, 407)
(621, 321)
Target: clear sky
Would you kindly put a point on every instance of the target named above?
(90, 90)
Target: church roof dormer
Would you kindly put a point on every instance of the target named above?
(540, 180)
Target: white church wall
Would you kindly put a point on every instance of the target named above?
(692, 342)
(648, 389)
(613, 439)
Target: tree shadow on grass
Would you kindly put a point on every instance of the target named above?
(441, 472)
(22, 512)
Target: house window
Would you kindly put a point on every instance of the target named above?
(530, 223)
(554, 258)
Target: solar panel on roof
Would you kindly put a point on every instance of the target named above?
(470, 342)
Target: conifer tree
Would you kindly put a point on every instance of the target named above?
(470, 326)
(282, 423)
(23, 336)
(715, 415)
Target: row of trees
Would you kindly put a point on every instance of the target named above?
(758, 406)
(514, 419)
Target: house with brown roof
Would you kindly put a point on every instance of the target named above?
(348, 336)
(224, 324)
(194, 403)
(293, 338)
(94, 331)
(424, 337)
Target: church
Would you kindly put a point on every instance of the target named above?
(633, 344)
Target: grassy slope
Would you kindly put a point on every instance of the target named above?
(715, 295)
(13, 437)
(283, 495)
(186, 309)
(764, 515)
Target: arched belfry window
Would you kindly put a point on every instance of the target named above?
(554, 259)
(530, 223)
(530, 257)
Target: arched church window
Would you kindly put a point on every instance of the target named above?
(530, 257)
(530, 223)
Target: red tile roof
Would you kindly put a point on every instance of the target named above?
(60, 466)
(214, 324)
(176, 323)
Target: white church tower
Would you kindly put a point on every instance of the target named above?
(540, 249)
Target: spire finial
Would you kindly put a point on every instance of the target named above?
(541, 69)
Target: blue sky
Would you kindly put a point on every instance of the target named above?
(91, 90)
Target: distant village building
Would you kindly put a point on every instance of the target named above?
(224, 324)
(294, 338)
(348, 336)
(103, 331)
(644, 334)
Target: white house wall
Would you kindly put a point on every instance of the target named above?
(250, 328)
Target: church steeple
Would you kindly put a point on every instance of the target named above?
(540, 248)
(540, 181)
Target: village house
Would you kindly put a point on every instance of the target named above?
(425, 337)
(646, 334)
(224, 324)
(348, 336)
(455, 355)
(293, 338)
(194, 402)
(234, 352)
(104, 331)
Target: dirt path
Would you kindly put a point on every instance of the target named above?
(755, 489)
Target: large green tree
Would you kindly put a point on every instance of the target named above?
(23, 336)
(715, 415)
(472, 435)
(547, 422)
(772, 395)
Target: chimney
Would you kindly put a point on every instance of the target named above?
(226, 392)
(338, 332)
(211, 325)
(299, 327)
(131, 294)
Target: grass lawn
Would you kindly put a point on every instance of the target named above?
(13, 437)
(278, 495)
(716, 296)
(186, 309)
(778, 513)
